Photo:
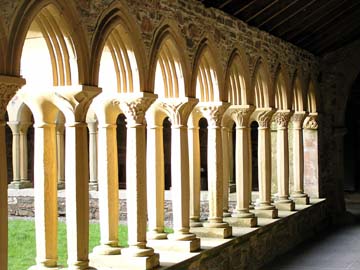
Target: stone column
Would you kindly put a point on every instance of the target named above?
(93, 155)
(60, 147)
(232, 181)
(45, 185)
(226, 170)
(264, 207)
(45, 190)
(215, 226)
(8, 88)
(298, 195)
(134, 109)
(282, 161)
(194, 168)
(155, 180)
(108, 186)
(74, 101)
(241, 215)
(15, 129)
(24, 178)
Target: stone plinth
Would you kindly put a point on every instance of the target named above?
(122, 262)
(173, 245)
(241, 222)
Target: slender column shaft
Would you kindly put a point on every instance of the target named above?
(264, 170)
(155, 180)
(3, 201)
(15, 128)
(282, 164)
(45, 190)
(231, 156)
(60, 146)
(242, 170)
(215, 174)
(24, 153)
(250, 166)
(93, 155)
(194, 173)
(77, 195)
(298, 160)
(136, 187)
(180, 179)
(108, 186)
(226, 169)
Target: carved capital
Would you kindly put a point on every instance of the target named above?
(263, 117)
(241, 115)
(297, 120)
(135, 106)
(282, 119)
(74, 101)
(178, 110)
(311, 122)
(8, 88)
(213, 112)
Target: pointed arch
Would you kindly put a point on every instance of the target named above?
(168, 66)
(207, 74)
(118, 55)
(262, 86)
(237, 81)
(283, 96)
(299, 100)
(53, 25)
(311, 97)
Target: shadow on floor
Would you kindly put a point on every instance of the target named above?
(335, 249)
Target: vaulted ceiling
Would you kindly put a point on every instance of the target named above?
(319, 26)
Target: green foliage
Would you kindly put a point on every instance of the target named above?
(22, 242)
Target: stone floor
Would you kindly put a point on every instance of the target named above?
(338, 248)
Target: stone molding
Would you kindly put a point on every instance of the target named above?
(297, 119)
(263, 117)
(213, 112)
(282, 118)
(311, 121)
(9, 85)
(241, 115)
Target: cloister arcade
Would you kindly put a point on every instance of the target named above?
(74, 96)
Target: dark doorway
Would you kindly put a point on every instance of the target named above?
(254, 153)
(167, 152)
(121, 147)
(203, 137)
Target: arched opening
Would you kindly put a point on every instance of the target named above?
(121, 147)
(352, 140)
(203, 136)
(167, 152)
(263, 95)
(254, 154)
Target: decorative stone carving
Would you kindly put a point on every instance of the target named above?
(297, 119)
(241, 116)
(282, 119)
(8, 87)
(264, 118)
(311, 122)
(135, 109)
(213, 112)
(178, 111)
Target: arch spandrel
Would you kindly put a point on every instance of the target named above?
(59, 22)
(237, 79)
(261, 85)
(207, 82)
(312, 97)
(168, 61)
(118, 35)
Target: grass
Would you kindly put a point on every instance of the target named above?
(22, 251)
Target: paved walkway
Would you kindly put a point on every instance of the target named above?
(336, 249)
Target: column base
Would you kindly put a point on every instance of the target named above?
(175, 245)
(106, 250)
(226, 214)
(43, 267)
(93, 186)
(61, 186)
(266, 212)
(288, 205)
(194, 224)
(213, 230)
(124, 262)
(20, 185)
(79, 265)
(155, 235)
(302, 200)
(242, 219)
